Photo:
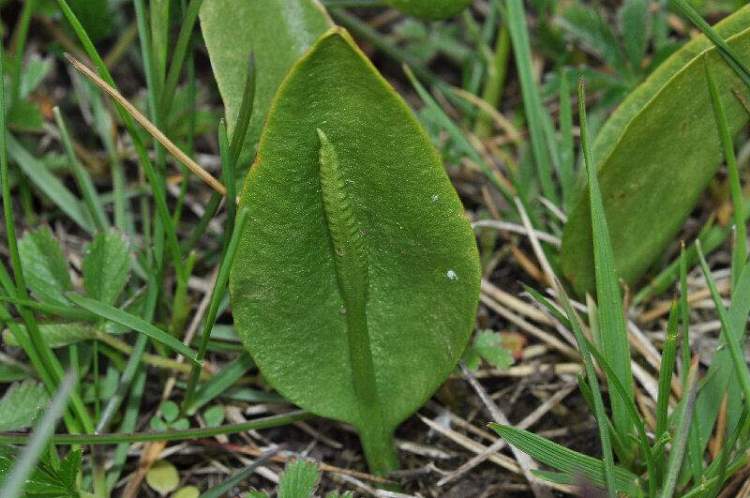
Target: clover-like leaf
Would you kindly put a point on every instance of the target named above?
(357, 276)
(655, 155)
(45, 267)
(106, 267)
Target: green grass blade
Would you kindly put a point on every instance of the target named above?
(593, 382)
(217, 294)
(669, 354)
(183, 435)
(571, 462)
(83, 178)
(679, 443)
(224, 489)
(611, 319)
(179, 55)
(51, 186)
(457, 135)
(219, 383)
(731, 58)
(519, 35)
(243, 118)
(135, 323)
(739, 254)
(738, 359)
(567, 151)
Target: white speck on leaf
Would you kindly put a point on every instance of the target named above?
(435, 198)
(451, 275)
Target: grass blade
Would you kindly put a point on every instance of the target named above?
(184, 435)
(135, 323)
(677, 453)
(224, 489)
(736, 352)
(217, 295)
(516, 19)
(611, 319)
(85, 184)
(571, 462)
(739, 254)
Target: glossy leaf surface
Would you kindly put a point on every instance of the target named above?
(430, 9)
(357, 277)
(277, 32)
(655, 155)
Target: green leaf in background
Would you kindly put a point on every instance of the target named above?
(106, 267)
(49, 479)
(95, 17)
(634, 20)
(57, 335)
(277, 32)
(430, 9)
(357, 276)
(299, 480)
(488, 345)
(163, 477)
(21, 405)
(655, 156)
(46, 270)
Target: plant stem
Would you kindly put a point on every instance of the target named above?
(141, 437)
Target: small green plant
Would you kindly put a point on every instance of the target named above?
(357, 264)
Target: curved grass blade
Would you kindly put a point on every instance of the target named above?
(133, 322)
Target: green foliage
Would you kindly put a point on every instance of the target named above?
(431, 9)
(655, 156)
(50, 478)
(45, 266)
(276, 32)
(488, 346)
(331, 332)
(106, 267)
(21, 404)
(299, 480)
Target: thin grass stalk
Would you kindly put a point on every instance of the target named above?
(178, 56)
(83, 179)
(741, 369)
(516, 19)
(739, 254)
(144, 437)
(668, 360)
(677, 454)
(598, 404)
(614, 339)
(217, 294)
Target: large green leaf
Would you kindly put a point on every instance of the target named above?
(277, 32)
(655, 156)
(356, 280)
(430, 9)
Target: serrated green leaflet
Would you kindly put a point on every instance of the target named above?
(430, 9)
(357, 276)
(655, 156)
(277, 32)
